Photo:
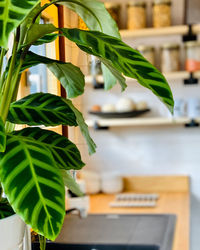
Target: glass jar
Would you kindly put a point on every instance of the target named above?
(170, 57)
(136, 15)
(94, 66)
(148, 52)
(192, 61)
(161, 13)
(114, 10)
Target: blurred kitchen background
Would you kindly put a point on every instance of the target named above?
(154, 143)
(134, 132)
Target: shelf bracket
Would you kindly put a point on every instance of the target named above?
(190, 36)
(98, 127)
(192, 124)
(191, 80)
(97, 85)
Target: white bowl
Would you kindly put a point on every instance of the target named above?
(112, 184)
(92, 181)
(93, 186)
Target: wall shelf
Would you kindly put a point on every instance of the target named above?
(180, 75)
(166, 31)
(154, 121)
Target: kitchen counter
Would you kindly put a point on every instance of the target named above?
(173, 199)
(130, 231)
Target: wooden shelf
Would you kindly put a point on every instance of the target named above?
(166, 31)
(180, 75)
(157, 121)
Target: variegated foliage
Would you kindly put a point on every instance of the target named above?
(41, 109)
(123, 58)
(12, 13)
(33, 184)
(65, 153)
(49, 110)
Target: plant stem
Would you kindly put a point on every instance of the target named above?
(42, 240)
(9, 127)
(1, 192)
(9, 87)
(6, 95)
(1, 60)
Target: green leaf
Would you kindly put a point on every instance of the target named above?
(109, 84)
(71, 183)
(33, 185)
(28, 21)
(5, 209)
(70, 76)
(65, 153)
(94, 14)
(41, 109)
(109, 80)
(83, 127)
(46, 39)
(124, 59)
(2, 137)
(37, 31)
(97, 18)
(12, 13)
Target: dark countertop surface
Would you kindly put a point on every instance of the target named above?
(127, 229)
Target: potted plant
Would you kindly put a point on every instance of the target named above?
(35, 162)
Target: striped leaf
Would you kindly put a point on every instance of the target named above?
(41, 109)
(5, 209)
(118, 75)
(96, 17)
(2, 137)
(12, 13)
(125, 59)
(65, 153)
(37, 31)
(46, 39)
(94, 14)
(83, 127)
(70, 183)
(70, 76)
(33, 185)
(28, 21)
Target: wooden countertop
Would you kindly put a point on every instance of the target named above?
(170, 201)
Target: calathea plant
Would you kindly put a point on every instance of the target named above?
(35, 162)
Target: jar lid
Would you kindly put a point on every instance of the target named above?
(145, 48)
(109, 5)
(192, 44)
(162, 2)
(170, 46)
(137, 3)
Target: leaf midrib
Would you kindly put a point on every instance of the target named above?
(31, 107)
(37, 184)
(30, 139)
